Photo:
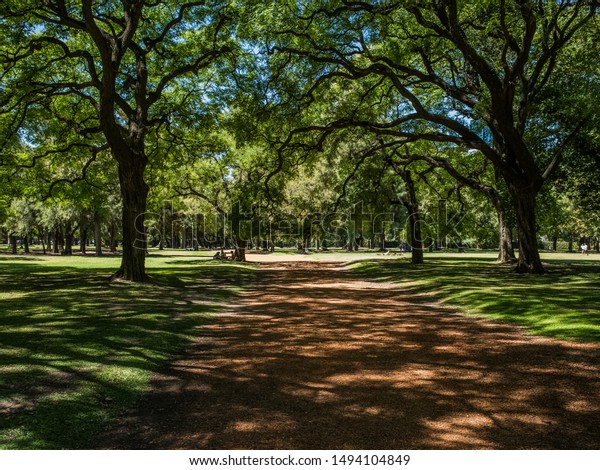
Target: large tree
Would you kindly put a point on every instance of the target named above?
(114, 72)
(468, 73)
(468, 172)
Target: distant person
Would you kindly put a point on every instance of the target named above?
(585, 249)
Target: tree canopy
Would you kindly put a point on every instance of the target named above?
(269, 104)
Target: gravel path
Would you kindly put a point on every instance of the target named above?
(314, 357)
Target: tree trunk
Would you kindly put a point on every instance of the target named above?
(163, 229)
(506, 252)
(415, 240)
(56, 248)
(98, 235)
(570, 243)
(68, 239)
(554, 243)
(13, 244)
(26, 243)
(42, 240)
(134, 191)
(112, 232)
(240, 251)
(525, 206)
(415, 237)
(83, 245)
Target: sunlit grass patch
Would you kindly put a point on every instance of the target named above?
(562, 303)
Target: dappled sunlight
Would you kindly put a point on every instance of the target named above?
(459, 430)
(314, 356)
(563, 303)
(74, 347)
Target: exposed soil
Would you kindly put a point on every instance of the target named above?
(314, 357)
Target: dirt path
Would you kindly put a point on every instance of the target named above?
(314, 357)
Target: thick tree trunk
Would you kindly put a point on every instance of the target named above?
(570, 243)
(134, 191)
(506, 252)
(240, 251)
(554, 243)
(415, 237)
(359, 242)
(13, 243)
(26, 243)
(525, 208)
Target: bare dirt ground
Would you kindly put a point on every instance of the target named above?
(314, 357)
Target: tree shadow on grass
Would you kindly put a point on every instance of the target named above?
(75, 348)
(318, 358)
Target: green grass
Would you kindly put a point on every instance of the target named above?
(75, 349)
(564, 303)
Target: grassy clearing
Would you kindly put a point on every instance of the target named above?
(75, 349)
(561, 304)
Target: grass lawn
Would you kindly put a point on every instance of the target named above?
(76, 349)
(564, 303)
